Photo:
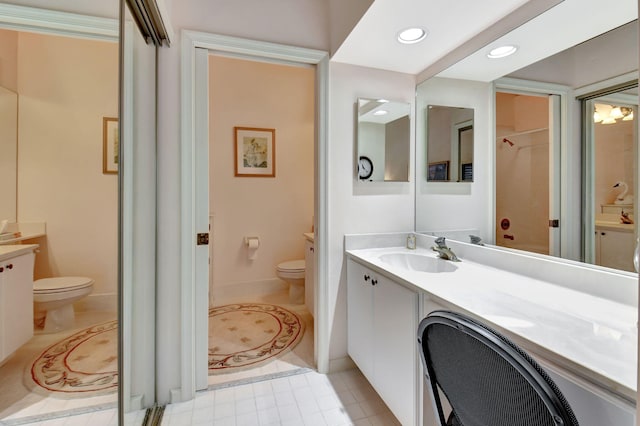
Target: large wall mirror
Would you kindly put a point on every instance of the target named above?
(383, 140)
(554, 150)
(449, 144)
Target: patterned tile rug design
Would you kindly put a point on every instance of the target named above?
(246, 335)
(80, 365)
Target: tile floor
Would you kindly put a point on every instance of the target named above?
(309, 399)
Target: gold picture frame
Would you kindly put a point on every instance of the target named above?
(255, 152)
(110, 145)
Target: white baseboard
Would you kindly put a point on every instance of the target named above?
(247, 289)
(341, 364)
(99, 302)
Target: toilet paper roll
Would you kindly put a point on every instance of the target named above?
(253, 243)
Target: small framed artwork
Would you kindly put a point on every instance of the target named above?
(438, 171)
(255, 153)
(110, 145)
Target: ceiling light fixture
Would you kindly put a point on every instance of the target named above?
(381, 112)
(502, 51)
(412, 35)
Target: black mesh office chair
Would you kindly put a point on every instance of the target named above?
(487, 379)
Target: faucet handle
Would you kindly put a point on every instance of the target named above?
(440, 242)
(476, 240)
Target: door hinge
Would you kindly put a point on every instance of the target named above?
(203, 239)
(554, 223)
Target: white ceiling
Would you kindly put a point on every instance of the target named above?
(561, 27)
(372, 43)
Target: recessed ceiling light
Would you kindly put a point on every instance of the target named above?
(502, 51)
(381, 112)
(412, 35)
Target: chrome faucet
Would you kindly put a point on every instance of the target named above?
(444, 252)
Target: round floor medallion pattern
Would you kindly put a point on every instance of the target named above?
(245, 335)
(83, 362)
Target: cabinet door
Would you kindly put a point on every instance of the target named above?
(310, 277)
(17, 304)
(396, 349)
(360, 318)
(616, 250)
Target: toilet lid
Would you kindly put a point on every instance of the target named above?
(292, 266)
(52, 285)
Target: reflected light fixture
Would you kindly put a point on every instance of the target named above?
(616, 112)
(608, 114)
(596, 117)
(412, 35)
(502, 51)
(381, 112)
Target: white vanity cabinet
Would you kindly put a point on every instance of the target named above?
(16, 302)
(382, 319)
(309, 276)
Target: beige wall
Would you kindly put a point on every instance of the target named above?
(66, 86)
(9, 59)
(278, 210)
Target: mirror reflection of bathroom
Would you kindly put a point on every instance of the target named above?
(612, 140)
(58, 214)
(262, 241)
(383, 140)
(449, 144)
(523, 158)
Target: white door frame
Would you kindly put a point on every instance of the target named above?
(560, 153)
(195, 214)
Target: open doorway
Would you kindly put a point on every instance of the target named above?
(610, 178)
(526, 181)
(261, 207)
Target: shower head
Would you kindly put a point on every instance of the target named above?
(505, 140)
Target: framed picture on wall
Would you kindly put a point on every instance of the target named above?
(110, 145)
(255, 153)
(438, 171)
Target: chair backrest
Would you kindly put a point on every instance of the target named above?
(487, 379)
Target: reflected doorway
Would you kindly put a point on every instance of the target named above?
(526, 183)
(610, 179)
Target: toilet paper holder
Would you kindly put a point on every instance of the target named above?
(252, 242)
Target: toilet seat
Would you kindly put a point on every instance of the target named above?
(291, 266)
(60, 284)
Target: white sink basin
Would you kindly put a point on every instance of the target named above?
(418, 262)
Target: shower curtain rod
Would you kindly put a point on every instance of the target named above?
(525, 132)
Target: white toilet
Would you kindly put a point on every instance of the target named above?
(292, 271)
(53, 300)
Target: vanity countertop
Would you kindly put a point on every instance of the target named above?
(604, 225)
(11, 251)
(593, 337)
